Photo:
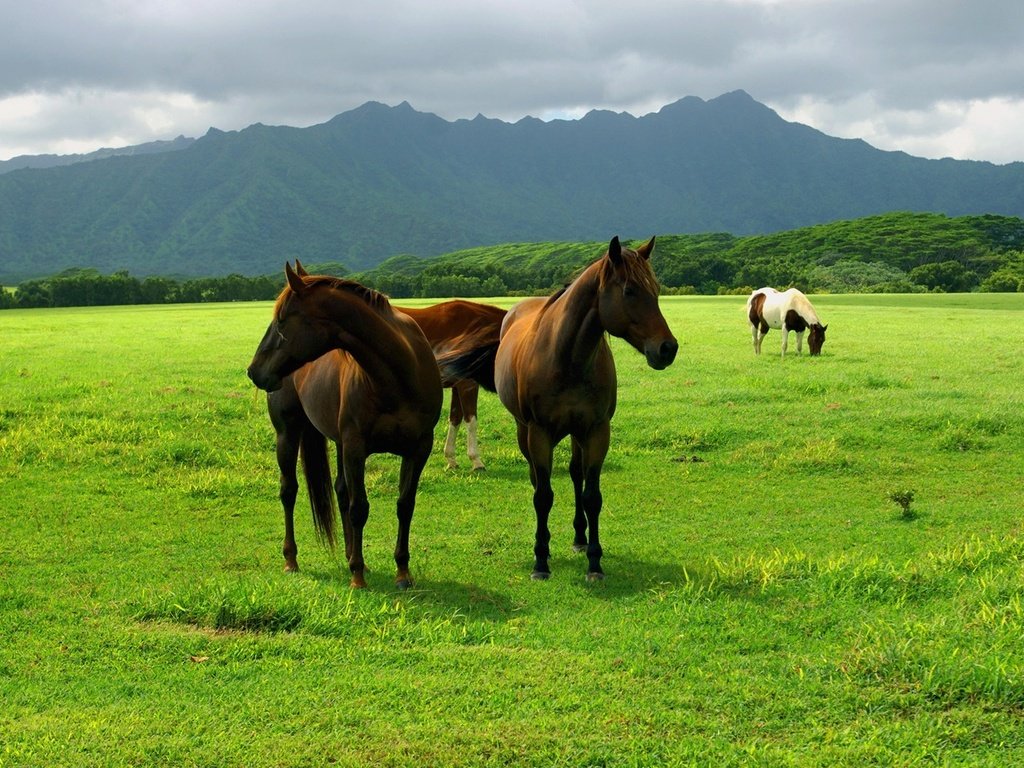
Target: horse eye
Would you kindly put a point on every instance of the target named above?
(629, 291)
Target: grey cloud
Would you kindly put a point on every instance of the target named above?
(306, 61)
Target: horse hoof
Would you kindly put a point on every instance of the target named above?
(357, 583)
(579, 547)
(403, 581)
(595, 576)
(479, 468)
(540, 575)
(291, 567)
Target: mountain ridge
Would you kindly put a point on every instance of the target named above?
(378, 181)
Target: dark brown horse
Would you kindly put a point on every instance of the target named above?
(447, 326)
(371, 385)
(555, 373)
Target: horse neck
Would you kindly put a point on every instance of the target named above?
(572, 322)
(373, 340)
(805, 310)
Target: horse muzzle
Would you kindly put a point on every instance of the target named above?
(268, 382)
(660, 356)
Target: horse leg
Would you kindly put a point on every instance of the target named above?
(454, 419)
(409, 480)
(359, 511)
(540, 451)
(524, 447)
(785, 340)
(579, 521)
(341, 491)
(799, 342)
(594, 451)
(286, 414)
(760, 331)
(287, 457)
(468, 396)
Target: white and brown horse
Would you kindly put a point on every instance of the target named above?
(786, 311)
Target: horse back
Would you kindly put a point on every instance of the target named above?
(449, 320)
(522, 311)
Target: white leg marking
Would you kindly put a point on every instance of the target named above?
(472, 447)
(449, 445)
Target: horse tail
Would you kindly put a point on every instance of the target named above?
(317, 469)
(474, 362)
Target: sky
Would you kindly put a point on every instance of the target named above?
(934, 78)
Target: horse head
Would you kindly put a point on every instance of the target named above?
(628, 303)
(297, 334)
(816, 337)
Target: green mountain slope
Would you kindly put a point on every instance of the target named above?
(380, 181)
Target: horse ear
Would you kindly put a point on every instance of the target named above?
(294, 279)
(645, 251)
(615, 251)
(299, 269)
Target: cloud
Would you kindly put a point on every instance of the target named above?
(914, 75)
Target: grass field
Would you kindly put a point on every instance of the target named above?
(767, 602)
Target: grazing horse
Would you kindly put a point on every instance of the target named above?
(788, 311)
(371, 385)
(555, 373)
(446, 325)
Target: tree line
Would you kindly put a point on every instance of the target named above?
(892, 253)
(89, 288)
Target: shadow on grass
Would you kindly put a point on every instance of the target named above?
(625, 575)
(448, 596)
(476, 602)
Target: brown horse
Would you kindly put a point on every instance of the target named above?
(371, 385)
(446, 326)
(555, 373)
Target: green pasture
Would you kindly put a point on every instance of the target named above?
(766, 603)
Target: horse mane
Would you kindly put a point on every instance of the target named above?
(374, 299)
(804, 308)
(555, 296)
(635, 269)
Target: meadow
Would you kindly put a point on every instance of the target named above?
(767, 602)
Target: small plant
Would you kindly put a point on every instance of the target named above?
(904, 499)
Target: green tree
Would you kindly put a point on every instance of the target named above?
(948, 276)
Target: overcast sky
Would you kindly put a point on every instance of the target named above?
(935, 78)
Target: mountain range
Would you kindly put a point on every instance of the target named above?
(378, 181)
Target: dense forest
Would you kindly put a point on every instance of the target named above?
(892, 253)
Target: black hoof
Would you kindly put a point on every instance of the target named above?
(540, 575)
(403, 584)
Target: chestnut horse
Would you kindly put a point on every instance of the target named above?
(446, 325)
(555, 373)
(371, 386)
(788, 311)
